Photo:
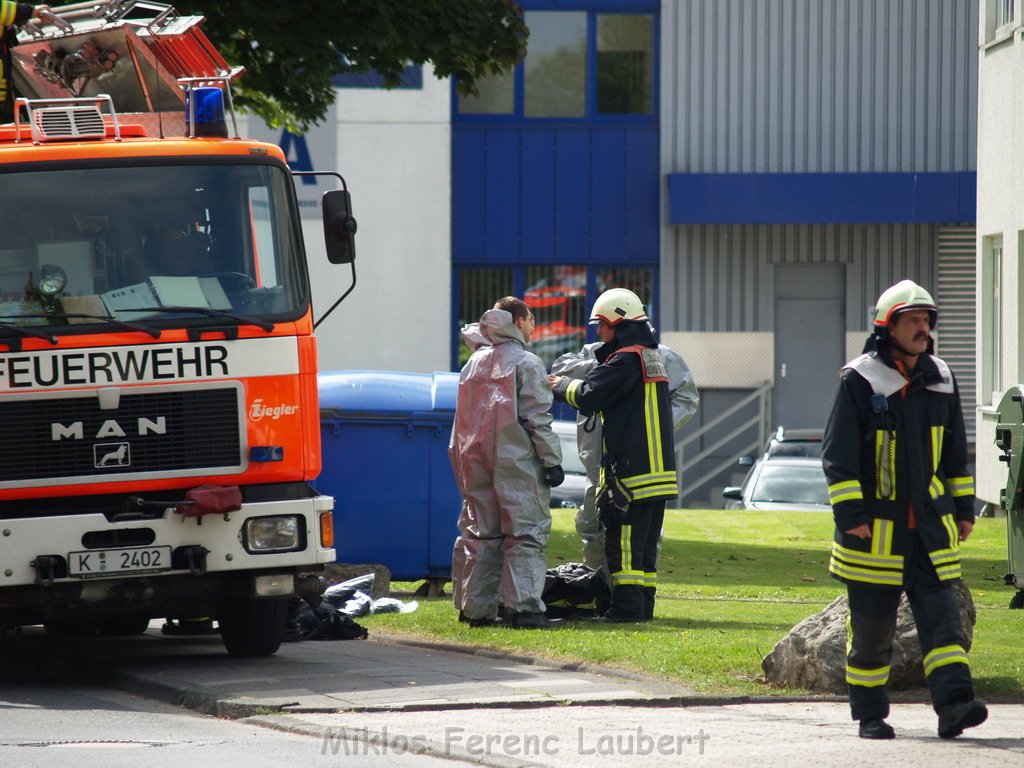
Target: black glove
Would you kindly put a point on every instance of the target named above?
(554, 476)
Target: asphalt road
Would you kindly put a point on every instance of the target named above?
(388, 702)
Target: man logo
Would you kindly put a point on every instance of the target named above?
(106, 455)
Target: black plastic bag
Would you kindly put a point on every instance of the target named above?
(575, 591)
(325, 622)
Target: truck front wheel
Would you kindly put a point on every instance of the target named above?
(253, 626)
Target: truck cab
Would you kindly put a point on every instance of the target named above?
(159, 421)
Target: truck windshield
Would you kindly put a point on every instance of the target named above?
(83, 244)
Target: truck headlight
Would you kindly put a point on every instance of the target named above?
(272, 534)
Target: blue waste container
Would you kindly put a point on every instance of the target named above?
(384, 436)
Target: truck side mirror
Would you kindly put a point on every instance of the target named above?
(339, 227)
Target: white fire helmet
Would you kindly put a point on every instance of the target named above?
(615, 305)
(903, 296)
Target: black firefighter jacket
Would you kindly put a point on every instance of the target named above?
(885, 450)
(629, 389)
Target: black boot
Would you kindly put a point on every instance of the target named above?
(953, 719)
(875, 728)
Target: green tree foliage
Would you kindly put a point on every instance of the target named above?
(291, 50)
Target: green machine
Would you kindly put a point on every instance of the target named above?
(1010, 440)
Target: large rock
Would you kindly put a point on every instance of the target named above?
(813, 654)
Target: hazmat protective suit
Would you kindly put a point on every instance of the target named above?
(684, 399)
(501, 443)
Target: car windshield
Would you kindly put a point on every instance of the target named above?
(808, 448)
(147, 243)
(784, 483)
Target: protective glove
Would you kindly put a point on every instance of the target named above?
(554, 476)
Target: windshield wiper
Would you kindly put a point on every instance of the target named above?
(105, 318)
(15, 344)
(241, 319)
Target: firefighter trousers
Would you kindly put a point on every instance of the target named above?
(872, 625)
(631, 547)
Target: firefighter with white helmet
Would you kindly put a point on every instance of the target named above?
(684, 399)
(895, 456)
(628, 389)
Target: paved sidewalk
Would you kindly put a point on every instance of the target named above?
(387, 697)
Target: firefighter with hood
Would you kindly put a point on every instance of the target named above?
(684, 399)
(628, 391)
(506, 459)
(895, 456)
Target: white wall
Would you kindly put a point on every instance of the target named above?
(394, 150)
(1000, 213)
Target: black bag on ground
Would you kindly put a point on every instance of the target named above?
(325, 622)
(575, 591)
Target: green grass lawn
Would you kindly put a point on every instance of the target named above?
(731, 585)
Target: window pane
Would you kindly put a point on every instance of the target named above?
(558, 298)
(556, 64)
(625, 64)
(639, 281)
(496, 96)
(478, 290)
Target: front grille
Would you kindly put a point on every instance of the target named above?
(165, 431)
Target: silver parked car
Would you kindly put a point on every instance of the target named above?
(570, 492)
(780, 483)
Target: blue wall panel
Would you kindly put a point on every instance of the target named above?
(468, 193)
(572, 196)
(822, 198)
(608, 195)
(537, 226)
(502, 210)
(643, 199)
(554, 194)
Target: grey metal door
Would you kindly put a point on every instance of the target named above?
(809, 343)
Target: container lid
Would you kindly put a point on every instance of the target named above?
(385, 393)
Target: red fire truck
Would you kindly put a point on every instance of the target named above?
(158, 397)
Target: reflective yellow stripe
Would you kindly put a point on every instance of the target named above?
(954, 533)
(627, 551)
(937, 434)
(8, 11)
(885, 465)
(949, 572)
(868, 678)
(638, 481)
(881, 537)
(945, 556)
(845, 491)
(650, 579)
(936, 488)
(877, 560)
(654, 456)
(635, 578)
(940, 657)
(865, 575)
(960, 486)
(570, 392)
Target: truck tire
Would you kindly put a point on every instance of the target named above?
(252, 627)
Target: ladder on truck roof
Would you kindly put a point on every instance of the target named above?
(142, 54)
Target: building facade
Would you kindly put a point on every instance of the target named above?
(757, 171)
(1000, 228)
